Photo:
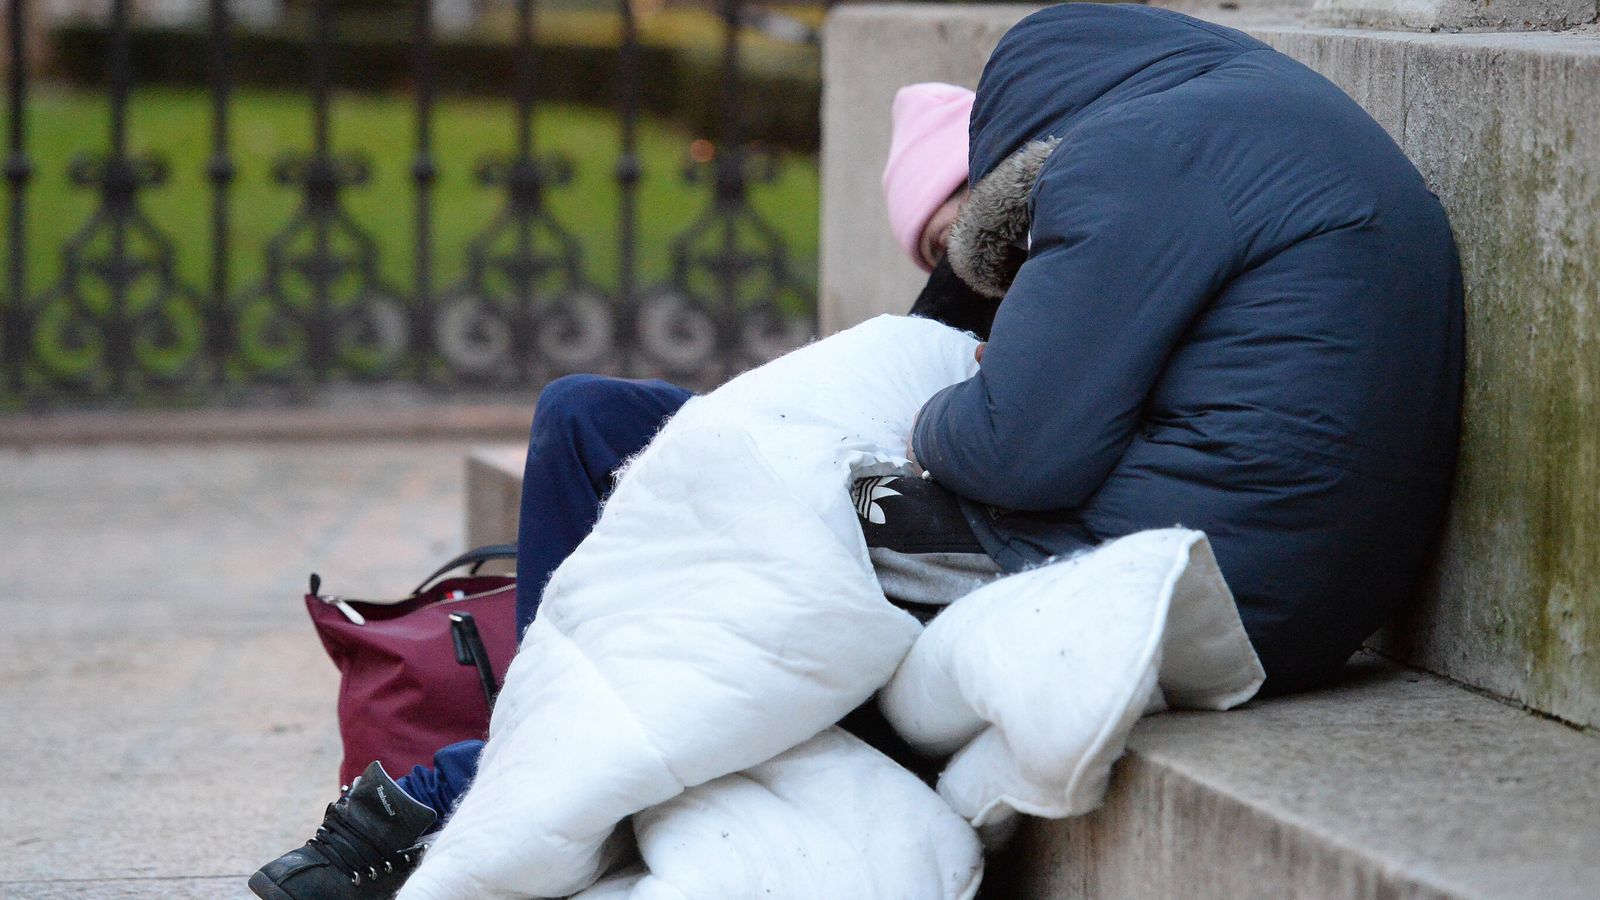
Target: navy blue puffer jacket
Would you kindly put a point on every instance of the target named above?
(1238, 309)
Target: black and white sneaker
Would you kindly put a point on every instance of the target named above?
(365, 848)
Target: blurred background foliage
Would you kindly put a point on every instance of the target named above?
(679, 60)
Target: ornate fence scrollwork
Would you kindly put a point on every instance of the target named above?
(732, 286)
(732, 292)
(118, 319)
(523, 300)
(119, 323)
(524, 311)
(321, 306)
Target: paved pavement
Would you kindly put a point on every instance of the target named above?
(166, 713)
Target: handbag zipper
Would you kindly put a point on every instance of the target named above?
(344, 607)
(350, 612)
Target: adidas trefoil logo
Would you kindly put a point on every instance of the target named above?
(868, 491)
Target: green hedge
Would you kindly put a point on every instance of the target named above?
(782, 91)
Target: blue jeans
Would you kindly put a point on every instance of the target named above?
(584, 427)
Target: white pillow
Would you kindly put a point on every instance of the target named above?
(1035, 680)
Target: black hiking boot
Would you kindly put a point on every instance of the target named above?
(366, 846)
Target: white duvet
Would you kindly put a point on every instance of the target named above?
(664, 731)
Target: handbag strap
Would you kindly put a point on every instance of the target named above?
(475, 557)
(471, 652)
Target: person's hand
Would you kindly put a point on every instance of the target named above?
(977, 352)
(911, 456)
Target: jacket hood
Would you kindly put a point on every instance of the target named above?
(1051, 71)
(1060, 64)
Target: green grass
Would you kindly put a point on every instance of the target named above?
(175, 124)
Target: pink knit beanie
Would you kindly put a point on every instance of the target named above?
(927, 156)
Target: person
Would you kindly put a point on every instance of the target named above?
(1229, 301)
(585, 427)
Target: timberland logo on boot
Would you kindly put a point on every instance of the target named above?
(384, 799)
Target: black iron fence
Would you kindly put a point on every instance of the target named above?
(120, 323)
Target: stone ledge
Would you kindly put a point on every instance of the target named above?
(1457, 15)
(494, 494)
(1396, 784)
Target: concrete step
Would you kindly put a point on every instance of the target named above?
(1396, 784)
(494, 493)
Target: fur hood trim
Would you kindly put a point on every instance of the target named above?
(989, 240)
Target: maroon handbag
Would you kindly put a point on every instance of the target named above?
(418, 673)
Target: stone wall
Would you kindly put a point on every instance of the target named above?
(1458, 15)
(1506, 129)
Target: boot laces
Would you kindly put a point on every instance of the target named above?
(351, 852)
